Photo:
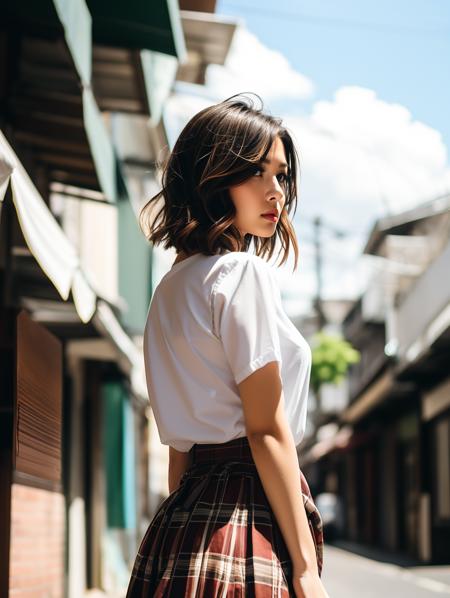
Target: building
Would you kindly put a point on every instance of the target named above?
(390, 457)
(83, 131)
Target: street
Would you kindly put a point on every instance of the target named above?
(348, 575)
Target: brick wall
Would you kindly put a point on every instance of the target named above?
(37, 543)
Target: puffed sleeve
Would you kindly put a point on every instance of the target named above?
(245, 318)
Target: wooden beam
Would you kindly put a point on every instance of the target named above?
(55, 143)
(65, 160)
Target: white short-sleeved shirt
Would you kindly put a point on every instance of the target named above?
(212, 321)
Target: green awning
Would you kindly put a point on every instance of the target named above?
(54, 109)
(48, 17)
(139, 24)
(76, 20)
(106, 162)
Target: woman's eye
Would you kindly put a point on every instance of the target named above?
(282, 176)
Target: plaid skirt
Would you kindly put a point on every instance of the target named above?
(216, 534)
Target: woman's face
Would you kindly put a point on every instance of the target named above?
(262, 193)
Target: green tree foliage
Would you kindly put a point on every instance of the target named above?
(331, 357)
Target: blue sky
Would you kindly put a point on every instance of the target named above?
(364, 89)
(399, 49)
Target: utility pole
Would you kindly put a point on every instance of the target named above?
(318, 305)
(319, 227)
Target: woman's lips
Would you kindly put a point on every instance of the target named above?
(270, 217)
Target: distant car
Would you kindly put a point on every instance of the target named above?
(330, 509)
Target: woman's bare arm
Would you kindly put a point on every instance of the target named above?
(275, 456)
(178, 464)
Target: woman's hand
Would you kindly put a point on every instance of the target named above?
(308, 585)
(178, 465)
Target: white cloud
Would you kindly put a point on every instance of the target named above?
(360, 157)
(370, 154)
(252, 66)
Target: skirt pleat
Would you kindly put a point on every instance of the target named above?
(216, 534)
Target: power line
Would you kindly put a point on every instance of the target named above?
(335, 22)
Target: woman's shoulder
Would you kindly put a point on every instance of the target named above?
(235, 265)
(241, 259)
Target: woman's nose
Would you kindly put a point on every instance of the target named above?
(276, 189)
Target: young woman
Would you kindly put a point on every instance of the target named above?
(227, 371)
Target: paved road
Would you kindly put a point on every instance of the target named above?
(348, 575)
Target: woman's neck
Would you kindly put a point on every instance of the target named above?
(181, 256)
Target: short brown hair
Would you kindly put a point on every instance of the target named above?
(221, 146)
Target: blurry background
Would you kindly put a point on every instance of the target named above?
(93, 96)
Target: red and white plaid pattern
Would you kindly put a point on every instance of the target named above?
(216, 535)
